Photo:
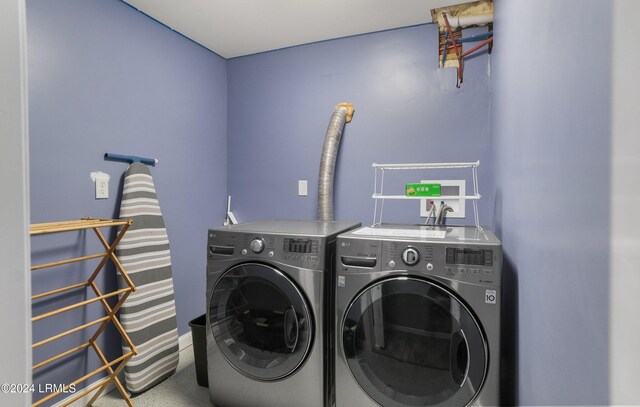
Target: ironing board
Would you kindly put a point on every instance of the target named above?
(149, 314)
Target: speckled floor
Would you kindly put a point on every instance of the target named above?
(179, 390)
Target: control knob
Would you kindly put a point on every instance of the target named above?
(257, 245)
(410, 256)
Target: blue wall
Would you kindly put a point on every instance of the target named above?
(407, 110)
(105, 78)
(551, 134)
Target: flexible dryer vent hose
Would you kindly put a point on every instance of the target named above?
(342, 114)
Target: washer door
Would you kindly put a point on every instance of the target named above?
(260, 321)
(409, 342)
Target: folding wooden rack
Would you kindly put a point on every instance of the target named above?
(112, 367)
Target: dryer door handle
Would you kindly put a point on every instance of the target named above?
(359, 261)
(291, 329)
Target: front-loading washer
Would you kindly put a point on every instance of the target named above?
(270, 313)
(418, 316)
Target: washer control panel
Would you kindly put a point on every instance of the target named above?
(294, 250)
(470, 264)
(462, 261)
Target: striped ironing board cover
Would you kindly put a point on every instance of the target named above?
(149, 314)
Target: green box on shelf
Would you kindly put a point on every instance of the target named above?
(422, 190)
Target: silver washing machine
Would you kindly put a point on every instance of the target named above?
(418, 316)
(270, 313)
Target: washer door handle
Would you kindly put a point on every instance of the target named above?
(459, 361)
(358, 261)
(291, 329)
(223, 250)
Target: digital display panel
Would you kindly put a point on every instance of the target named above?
(292, 245)
(472, 257)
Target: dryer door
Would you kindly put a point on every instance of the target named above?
(260, 321)
(410, 342)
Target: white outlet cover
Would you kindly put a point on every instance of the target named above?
(102, 188)
(458, 205)
(101, 180)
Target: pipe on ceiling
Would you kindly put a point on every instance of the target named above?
(467, 20)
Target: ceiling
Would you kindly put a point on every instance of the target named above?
(243, 27)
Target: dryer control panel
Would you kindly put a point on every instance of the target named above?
(474, 261)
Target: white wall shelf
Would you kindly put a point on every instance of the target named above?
(425, 166)
(378, 186)
(435, 198)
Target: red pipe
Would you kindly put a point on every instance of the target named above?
(477, 47)
(455, 47)
(453, 41)
(464, 54)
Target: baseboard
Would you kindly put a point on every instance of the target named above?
(82, 401)
(184, 342)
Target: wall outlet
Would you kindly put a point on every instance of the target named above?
(102, 188)
(447, 188)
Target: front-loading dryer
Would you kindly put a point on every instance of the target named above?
(418, 316)
(270, 313)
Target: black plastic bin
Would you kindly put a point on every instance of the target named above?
(199, 337)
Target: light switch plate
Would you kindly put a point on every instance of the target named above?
(302, 187)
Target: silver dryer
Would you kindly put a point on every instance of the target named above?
(418, 317)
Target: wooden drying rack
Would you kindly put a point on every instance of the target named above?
(113, 367)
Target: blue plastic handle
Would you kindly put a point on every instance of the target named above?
(130, 158)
